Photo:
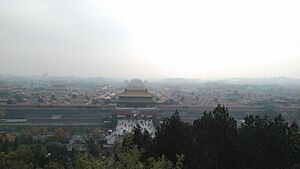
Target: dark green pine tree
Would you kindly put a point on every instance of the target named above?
(214, 141)
(144, 143)
(267, 143)
(138, 138)
(173, 138)
(294, 146)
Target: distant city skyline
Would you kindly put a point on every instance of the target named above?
(150, 39)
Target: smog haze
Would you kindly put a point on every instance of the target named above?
(150, 39)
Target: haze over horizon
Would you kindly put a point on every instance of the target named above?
(150, 39)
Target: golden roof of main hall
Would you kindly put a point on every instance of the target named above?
(135, 93)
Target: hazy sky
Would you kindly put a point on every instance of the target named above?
(147, 39)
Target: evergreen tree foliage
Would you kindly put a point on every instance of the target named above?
(173, 137)
(214, 140)
(268, 143)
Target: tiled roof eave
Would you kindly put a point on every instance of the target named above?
(135, 101)
(135, 95)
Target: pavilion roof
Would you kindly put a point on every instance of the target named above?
(135, 93)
